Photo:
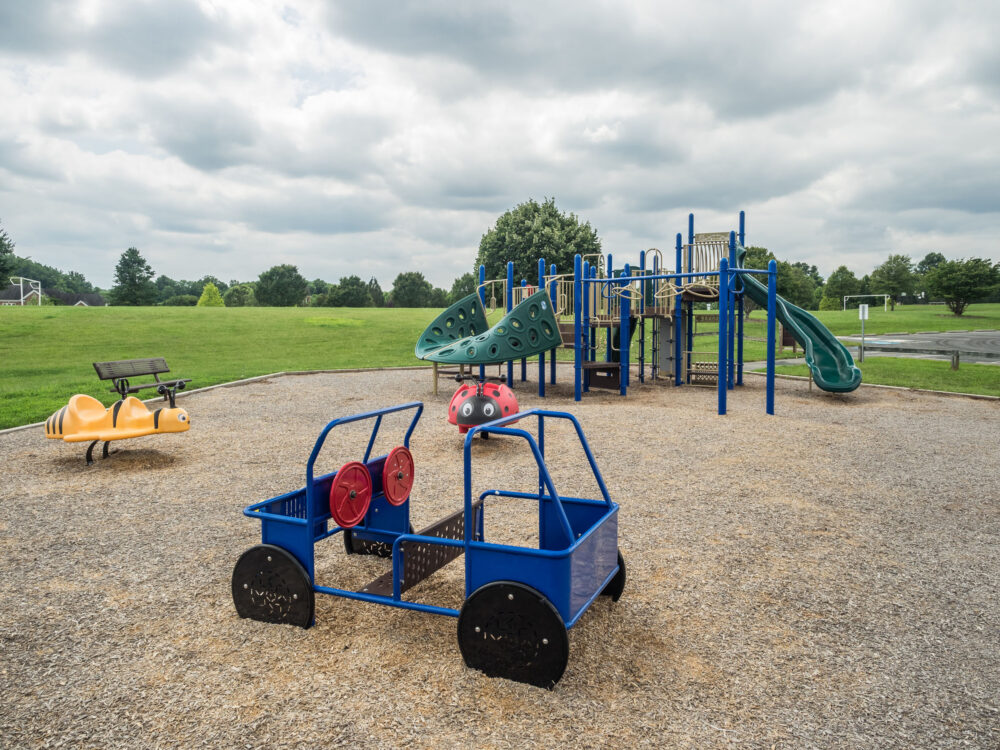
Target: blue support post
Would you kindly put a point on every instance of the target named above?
(731, 291)
(482, 298)
(690, 242)
(608, 288)
(690, 305)
(623, 340)
(524, 360)
(642, 320)
(772, 310)
(578, 294)
(510, 301)
(678, 314)
(541, 356)
(554, 296)
(739, 339)
(739, 372)
(591, 290)
(591, 300)
(723, 333)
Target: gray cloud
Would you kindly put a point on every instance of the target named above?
(209, 135)
(35, 28)
(371, 138)
(150, 39)
(146, 38)
(302, 210)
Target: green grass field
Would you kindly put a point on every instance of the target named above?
(46, 352)
(935, 375)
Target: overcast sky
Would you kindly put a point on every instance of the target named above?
(225, 136)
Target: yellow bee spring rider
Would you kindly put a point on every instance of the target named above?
(85, 418)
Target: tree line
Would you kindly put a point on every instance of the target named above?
(279, 286)
(525, 233)
(957, 283)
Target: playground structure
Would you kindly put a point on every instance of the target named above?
(598, 310)
(520, 601)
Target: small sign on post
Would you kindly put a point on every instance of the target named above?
(863, 315)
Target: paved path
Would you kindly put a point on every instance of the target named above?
(930, 345)
(974, 346)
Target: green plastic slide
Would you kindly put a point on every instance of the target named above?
(459, 335)
(832, 366)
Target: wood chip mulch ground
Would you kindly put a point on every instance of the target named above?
(827, 577)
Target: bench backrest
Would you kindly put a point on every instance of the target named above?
(127, 368)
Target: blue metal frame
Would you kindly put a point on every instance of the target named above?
(297, 520)
(586, 336)
(576, 558)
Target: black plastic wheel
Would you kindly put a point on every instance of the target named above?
(617, 584)
(270, 585)
(507, 629)
(355, 546)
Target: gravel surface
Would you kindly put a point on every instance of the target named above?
(827, 577)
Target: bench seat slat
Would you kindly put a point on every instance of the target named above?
(128, 368)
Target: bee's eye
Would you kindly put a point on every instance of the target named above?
(182, 418)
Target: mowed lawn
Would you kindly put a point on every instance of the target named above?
(46, 352)
(933, 375)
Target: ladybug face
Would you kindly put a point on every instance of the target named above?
(468, 409)
(478, 409)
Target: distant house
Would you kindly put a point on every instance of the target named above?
(12, 295)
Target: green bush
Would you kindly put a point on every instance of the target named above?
(181, 300)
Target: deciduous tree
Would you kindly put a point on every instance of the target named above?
(463, 286)
(930, 262)
(411, 289)
(961, 282)
(239, 295)
(841, 283)
(7, 259)
(376, 293)
(894, 277)
(281, 286)
(531, 231)
(350, 291)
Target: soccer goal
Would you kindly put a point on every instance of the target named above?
(33, 287)
(885, 299)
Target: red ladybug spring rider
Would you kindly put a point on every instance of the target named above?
(479, 403)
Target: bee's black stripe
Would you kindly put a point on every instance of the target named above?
(48, 424)
(114, 416)
(156, 419)
(62, 413)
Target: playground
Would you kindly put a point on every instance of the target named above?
(826, 576)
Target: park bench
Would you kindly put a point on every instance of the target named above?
(120, 371)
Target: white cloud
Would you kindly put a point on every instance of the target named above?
(373, 137)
